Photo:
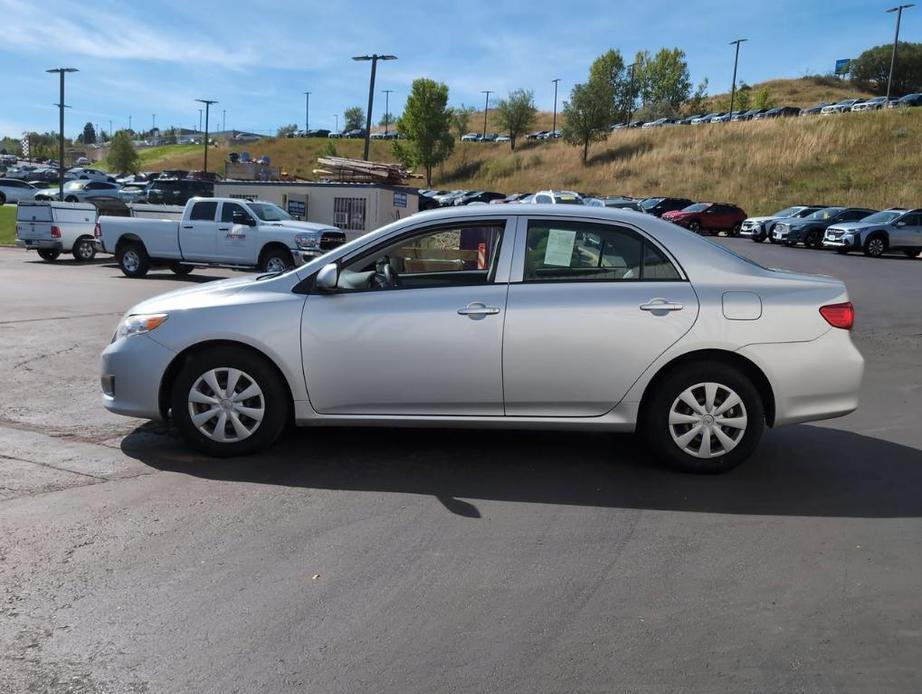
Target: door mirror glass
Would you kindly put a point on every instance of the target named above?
(327, 277)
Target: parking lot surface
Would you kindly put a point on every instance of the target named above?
(428, 561)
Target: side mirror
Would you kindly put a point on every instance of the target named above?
(327, 278)
(242, 218)
(900, 224)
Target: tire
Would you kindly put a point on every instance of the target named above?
(875, 246)
(84, 249)
(695, 227)
(275, 260)
(180, 269)
(48, 254)
(912, 252)
(71, 198)
(771, 234)
(813, 240)
(735, 231)
(133, 260)
(759, 236)
(2, 198)
(262, 416)
(700, 380)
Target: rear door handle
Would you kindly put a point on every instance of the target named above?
(478, 311)
(661, 305)
(187, 226)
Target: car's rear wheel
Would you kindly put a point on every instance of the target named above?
(229, 401)
(48, 254)
(704, 418)
(875, 246)
(735, 231)
(912, 252)
(133, 260)
(84, 249)
(181, 269)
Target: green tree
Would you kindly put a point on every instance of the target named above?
(587, 115)
(461, 119)
(516, 113)
(426, 125)
(286, 130)
(667, 83)
(695, 103)
(353, 118)
(763, 99)
(609, 70)
(89, 134)
(123, 157)
(871, 69)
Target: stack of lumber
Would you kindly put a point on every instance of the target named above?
(348, 170)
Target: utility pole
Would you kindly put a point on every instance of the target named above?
(224, 121)
(208, 103)
(486, 107)
(374, 58)
(336, 116)
(129, 123)
(554, 127)
(896, 40)
(735, 63)
(307, 111)
(109, 134)
(199, 119)
(61, 71)
(153, 123)
(630, 96)
(387, 97)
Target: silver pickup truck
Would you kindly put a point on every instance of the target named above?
(222, 232)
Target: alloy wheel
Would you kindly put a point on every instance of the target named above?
(226, 405)
(131, 261)
(276, 264)
(707, 420)
(876, 247)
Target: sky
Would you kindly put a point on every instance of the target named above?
(150, 61)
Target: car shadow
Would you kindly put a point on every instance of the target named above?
(797, 471)
(69, 261)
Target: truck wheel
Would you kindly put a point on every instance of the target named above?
(275, 260)
(133, 260)
(180, 269)
(229, 401)
(48, 254)
(84, 249)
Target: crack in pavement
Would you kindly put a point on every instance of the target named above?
(100, 478)
(45, 356)
(68, 317)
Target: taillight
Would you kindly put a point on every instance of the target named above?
(55, 232)
(839, 315)
(97, 231)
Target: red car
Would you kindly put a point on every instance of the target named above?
(709, 216)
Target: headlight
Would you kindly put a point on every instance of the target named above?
(138, 325)
(308, 242)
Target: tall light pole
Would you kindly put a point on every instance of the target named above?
(374, 58)
(486, 107)
(630, 96)
(896, 40)
(336, 116)
(208, 103)
(129, 123)
(199, 118)
(224, 121)
(735, 63)
(109, 134)
(556, 82)
(61, 71)
(307, 111)
(387, 102)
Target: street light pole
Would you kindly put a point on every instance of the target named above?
(224, 121)
(336, 116)
(387, 104)
(735, 64)
(374, 58)
(208, 103)
(554, 127)
(486, 107)
(630, 96)
(129, 124)
(61, 71)
(307, 111)
(896, 40)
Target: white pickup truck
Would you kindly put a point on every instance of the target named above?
(222, 232)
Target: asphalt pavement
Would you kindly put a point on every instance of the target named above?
(349, 560)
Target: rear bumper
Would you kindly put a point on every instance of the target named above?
(30, 244)
(811, 380)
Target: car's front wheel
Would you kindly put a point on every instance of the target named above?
(735, 230)
(228, 401)
(875, 246)
(704, 418)
(695, 227)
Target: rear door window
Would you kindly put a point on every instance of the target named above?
(203, 211)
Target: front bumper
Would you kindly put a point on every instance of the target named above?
(30, 244)
(303, 257)
(131, 371)
(753, 230)
(841, 241)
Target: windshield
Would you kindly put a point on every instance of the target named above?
(787, 212)
(884, 217)
(828, 213)
(567, 200)
(697, 207)
(651, 202)
(268, 212)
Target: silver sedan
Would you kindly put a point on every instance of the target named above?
(526, 316)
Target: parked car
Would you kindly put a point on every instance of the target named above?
(52, 228)
(709, 216)
(484, 196)
(216, 232)
(778, 112)
(748, 115)
(810, 230)
(688, 119)
(896, 229)
(875, 104)
(489, 137)
(355, 134)
(84, 174)
(659, 123)
(724, 117)
(171, 173)
(334, 135)
(13, 190)
(814, 110)
(172, 191)
(622, 203)
(471, 137)
(707, 118)
(133, 192)
(760, 228)
(78, 191)
(908, 101)
(550, 135)
(843, 106)
(659, 206)
(510, 199)
(537, 135)
(702, 348)
(557, 197)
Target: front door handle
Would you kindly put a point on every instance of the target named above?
(478, 311)
(187, 226)
(656, 305)
(223, 228)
